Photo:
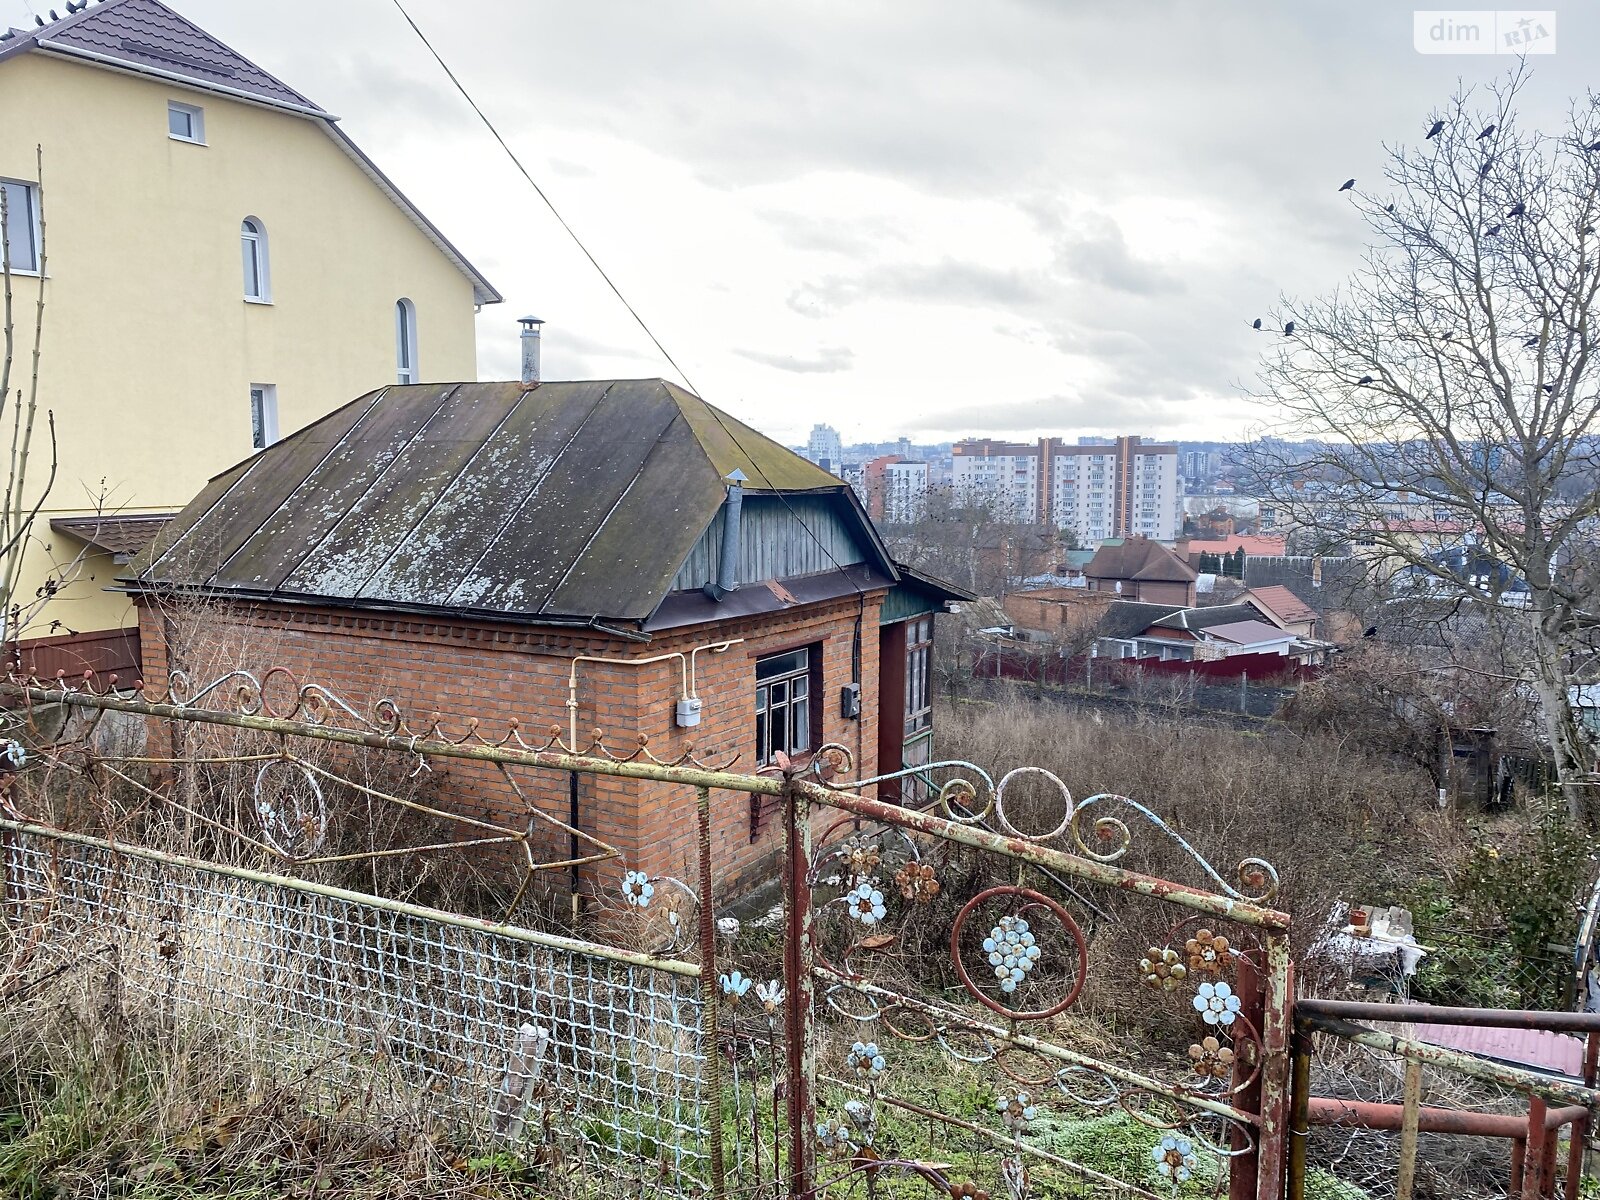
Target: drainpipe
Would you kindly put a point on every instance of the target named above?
(727, 580)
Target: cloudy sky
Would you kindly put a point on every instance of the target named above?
(922, 217)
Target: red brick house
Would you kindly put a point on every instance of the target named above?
(473, 549)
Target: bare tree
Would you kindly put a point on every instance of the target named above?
(1453, 381)
(17, 515)
(979, 540)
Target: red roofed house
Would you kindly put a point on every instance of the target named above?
(1284, 609)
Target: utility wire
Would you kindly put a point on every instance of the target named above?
(616, 291)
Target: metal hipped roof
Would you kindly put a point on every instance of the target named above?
(560, 501)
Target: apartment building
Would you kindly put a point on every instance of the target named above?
(894, 489)
(825, 448)
(1100, 488)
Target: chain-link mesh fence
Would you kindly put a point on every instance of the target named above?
(517, 1036)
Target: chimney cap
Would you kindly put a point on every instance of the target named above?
(530, 322)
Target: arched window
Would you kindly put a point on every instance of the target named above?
(405, 341)
(257, 272)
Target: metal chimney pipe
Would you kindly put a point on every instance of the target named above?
(727, 580)
(530, 348)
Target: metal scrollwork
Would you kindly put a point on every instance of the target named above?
(1256, 876)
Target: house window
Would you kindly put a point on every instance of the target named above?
(22, 224)
(919, 688)
(186, 123)
(405, 340)
(257, 271)
(263, 415)
(783, 704)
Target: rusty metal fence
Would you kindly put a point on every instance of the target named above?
(505, 1034)
(909, 1018)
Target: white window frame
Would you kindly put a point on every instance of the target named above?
(197, 122)
(253, 235)
(31, 191)
(405, 341)
(263, 415)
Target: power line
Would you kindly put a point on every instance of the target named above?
(616, 291)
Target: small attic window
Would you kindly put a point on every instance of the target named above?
(186, 123)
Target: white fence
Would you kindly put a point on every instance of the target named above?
(514, 1035)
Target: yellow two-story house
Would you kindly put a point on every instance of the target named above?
(221, 265)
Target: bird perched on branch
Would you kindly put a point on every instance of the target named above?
(1347, 185)
(1438, 128)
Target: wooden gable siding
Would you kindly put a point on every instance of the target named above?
(776, 541)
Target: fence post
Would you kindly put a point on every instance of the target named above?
(710, 987)
(1275, 1017)
(1299, 1109)
(797, 980)
(1411, 1099)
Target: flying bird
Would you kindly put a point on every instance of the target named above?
(1532, 343)
(1347, 185)
(1438, 128)
(1487, 130)
(1492, 231)
(1256, 324)
(1594, 146)
(1288, 330)
(1516, 210)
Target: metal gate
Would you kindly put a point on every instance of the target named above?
(911, 1016)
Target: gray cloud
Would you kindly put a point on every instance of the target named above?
(826, 360)
(1238, 122)
(947, 282)
(1102, 256)
(1098, 413)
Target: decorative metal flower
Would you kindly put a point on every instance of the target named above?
(1216, 1003)
(833, 1135)
(1012, 951)
(1016, 1111)
(866, 904)
(1175, 1158)
(917, 882)
(866, 1060)
(863, 1123)
(770, 994)
(735, 985)
(1208, 952)
(1162, 969)
(637, 889)
(862, 854)
(12, 756)
(1212, 1060)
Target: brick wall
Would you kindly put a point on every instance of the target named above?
(497, 673)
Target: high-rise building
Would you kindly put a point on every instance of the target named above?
(1100, 488)
(825, 448)
(896, 489)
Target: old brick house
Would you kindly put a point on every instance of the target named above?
(474, 549)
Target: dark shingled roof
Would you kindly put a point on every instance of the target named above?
(122, 534)
(563, 502)
(146, 35)
(1129, 618)
(1205, 618)
(1139, 558)
(148, 38)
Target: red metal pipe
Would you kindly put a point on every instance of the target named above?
(1533, 1181)
(1581, 1127)
(1325, 1110)
(1436, 1014)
